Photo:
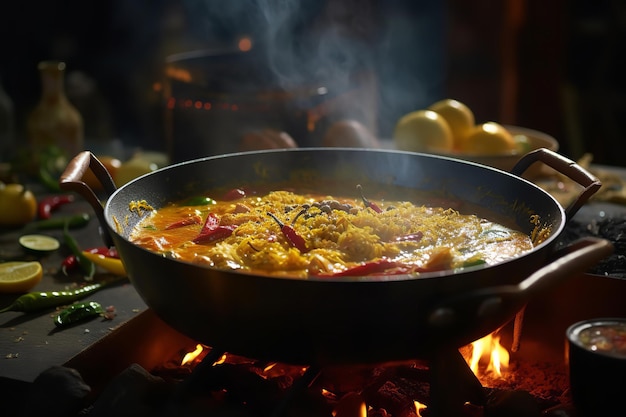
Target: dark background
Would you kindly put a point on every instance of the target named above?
(554, 66)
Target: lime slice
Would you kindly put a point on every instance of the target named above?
(39, 243)
(19, 276)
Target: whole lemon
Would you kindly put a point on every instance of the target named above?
(110, 163)
(18, 205)
(423, 131)
(489, 138)
(459, 116)
(133, 168)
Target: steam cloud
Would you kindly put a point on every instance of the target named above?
(304, 40)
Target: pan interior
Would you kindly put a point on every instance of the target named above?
(497, 195)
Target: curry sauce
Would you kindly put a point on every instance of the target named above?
(301, 234)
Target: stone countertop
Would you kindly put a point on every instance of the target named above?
(31, 343)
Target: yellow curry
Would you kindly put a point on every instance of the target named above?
(303, 234)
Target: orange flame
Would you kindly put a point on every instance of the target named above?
(190, 356)
(489, 347)
(419, 406)
(221, 360)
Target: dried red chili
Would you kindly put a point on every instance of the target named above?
(47, 205)
(368, 203)
(212, 231)
(372, 268)
(219, 233)
(187, 221)
(290, 233)
(234, 194)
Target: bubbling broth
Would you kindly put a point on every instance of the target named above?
(303, 231)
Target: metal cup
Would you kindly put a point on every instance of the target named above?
(596, 358)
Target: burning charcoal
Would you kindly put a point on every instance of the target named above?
(395, 388)
(511, 404)
(344, 379)
(57, 391)
(242, 385)
(350, 405)
(393, 399)
(133, 393)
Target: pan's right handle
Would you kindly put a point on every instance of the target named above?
(71, 180)
(567, 167)
(491, 304)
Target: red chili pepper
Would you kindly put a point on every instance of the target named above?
(234, 194)
(219, 233)
(71, 262)
(290, 233)
(212, 231)
(373, 268)
(47, 204)
(185, 222)
(211, 223)
(368, 203)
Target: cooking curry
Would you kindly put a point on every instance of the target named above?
(308, 233)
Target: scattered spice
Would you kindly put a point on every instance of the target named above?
(139, 206)
(612, 229)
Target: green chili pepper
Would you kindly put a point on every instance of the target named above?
(198, 201)
(78, 312)
(88, 267)
(47, 179)
(51, 161)
(37, 301)
(473, 262)
(74, 221)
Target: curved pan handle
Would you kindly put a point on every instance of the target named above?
(567, 167)
(71, 180)
(491, 305)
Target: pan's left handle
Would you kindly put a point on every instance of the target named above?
(71, 180)
(565, 166)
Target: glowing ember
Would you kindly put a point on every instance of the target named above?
(221, 360)
(190, 356)
(244, 44)
(488, 349)
(178, 74)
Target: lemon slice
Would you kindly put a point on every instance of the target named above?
(19, 276)
(39, 243)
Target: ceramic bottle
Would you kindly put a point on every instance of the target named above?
(55, 121)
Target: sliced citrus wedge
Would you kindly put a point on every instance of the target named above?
(39, 243)
(19, 276)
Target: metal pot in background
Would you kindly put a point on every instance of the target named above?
(213, 97)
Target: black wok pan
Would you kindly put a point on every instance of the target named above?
(343, 320)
